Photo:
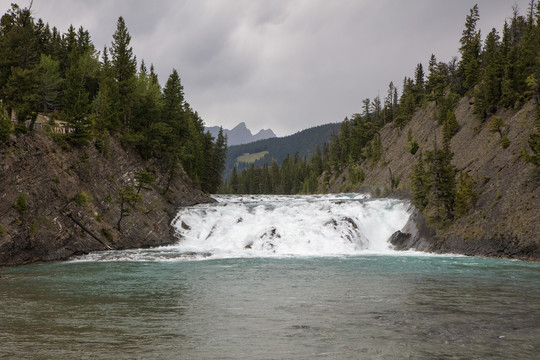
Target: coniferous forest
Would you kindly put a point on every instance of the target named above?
(498, 72)
(92, 94)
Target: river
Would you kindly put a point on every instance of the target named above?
(274, 278)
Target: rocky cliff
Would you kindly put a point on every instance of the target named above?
(505, 219)
(57, 202)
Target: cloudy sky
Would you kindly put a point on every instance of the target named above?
(281, 64)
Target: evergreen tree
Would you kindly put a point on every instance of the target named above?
(21, 94)
(377, 111)
(466, 195)
(419, 86)
(450, 126)
(126, 196)
(470, 48)
(367, 109)
(49, 84)
(233, 184)
(19, 46)
(497, 125)
(218, 160)
(173, 105)
(105, 105)
(124, 68)
(77, 99)
(489, 92)
(420, 184)
(389, 104)
(143, 180)
(407, 103)
(148, 101)
(442, 183)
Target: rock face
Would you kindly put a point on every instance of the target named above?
(72, 204)
(505, 220)
(414, 235)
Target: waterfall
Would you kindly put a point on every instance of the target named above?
(277, 226)
(317, 225)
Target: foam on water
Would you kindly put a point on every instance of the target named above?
(277, 226)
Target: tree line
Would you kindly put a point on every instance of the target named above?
(101, 94)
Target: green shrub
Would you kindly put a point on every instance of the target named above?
(60, 140)
(20, 204)
(413, 147)
(466, 195)
(21, 129)
(82, 199)
(376, 192)
(108, 234)
(505, 142)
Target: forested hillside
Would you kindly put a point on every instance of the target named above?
(274, 152)
(89, 95)
(461, 139)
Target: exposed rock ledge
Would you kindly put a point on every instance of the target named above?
(416, 235)
(72, 200)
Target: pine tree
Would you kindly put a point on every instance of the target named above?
(77, 104)
(377, 111)
(126, 196)
(19, 46)
(389, 104)
(489, 92)
(49, 84)
(148, 101)
(470, 41)
(497, 125)
(420, 184)
(233, 184)
(442, 183)
(220, 154)
(450, 126)
(466, 195)
(124, 68)
(105, 105)
(173, 105)
(21, 94)
(419, 86)
(407, 103)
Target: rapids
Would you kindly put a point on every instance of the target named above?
(278, 226)
(293, 225)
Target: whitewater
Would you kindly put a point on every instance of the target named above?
(278, 226)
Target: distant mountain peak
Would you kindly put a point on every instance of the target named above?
(241, 126)
(264, 134)
(240, 134)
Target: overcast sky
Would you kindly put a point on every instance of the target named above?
(285, 65)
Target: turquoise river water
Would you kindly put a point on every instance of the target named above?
(186, 303)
